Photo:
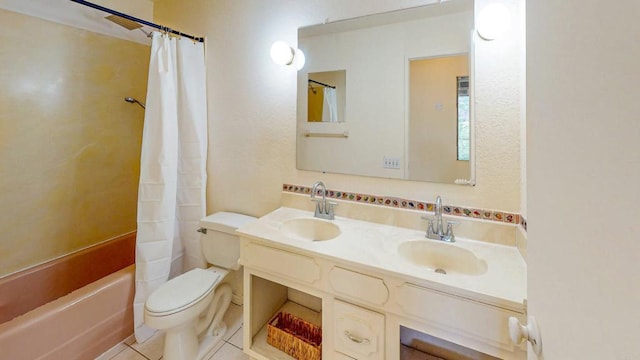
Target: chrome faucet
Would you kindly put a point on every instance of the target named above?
(324, 208)
(438, 232)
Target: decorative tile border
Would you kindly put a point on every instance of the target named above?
(484, 214)
(523, 222)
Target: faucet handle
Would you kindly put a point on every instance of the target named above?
(430, 219)
(330, 212)
(316, 200)
(449, 233)
(430, 229)
(451, 223)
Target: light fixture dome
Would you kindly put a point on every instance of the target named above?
(298, 59)
(282, 53)
(493, 21)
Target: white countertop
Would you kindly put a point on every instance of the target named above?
(374, 246)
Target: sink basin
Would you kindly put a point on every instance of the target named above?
(310, 229)
(442, 257)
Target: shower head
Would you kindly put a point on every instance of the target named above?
(132, 100)
(126, 23)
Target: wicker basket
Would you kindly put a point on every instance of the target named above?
(295, 336)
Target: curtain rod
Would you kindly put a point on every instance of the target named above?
(323, 84)
(129, 17)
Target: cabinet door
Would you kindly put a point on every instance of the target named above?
(358, 332)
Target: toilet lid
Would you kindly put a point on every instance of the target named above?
(182, 291)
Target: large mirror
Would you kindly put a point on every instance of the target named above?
(398, 113)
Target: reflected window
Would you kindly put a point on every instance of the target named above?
(463, 117)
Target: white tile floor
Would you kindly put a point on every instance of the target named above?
(229, 349)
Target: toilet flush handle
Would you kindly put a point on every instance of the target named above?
(202, 230)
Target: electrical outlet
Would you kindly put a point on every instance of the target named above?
(391, 162)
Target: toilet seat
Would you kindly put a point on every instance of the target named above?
(183, 291)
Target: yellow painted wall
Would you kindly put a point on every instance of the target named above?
(69, 144)
(315, 99)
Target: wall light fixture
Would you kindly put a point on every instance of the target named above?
(493, 21)
(283, 54)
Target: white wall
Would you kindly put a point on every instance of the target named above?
(252, 106)
(583, 177)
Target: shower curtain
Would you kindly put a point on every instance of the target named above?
(171, 193)
(330, 106)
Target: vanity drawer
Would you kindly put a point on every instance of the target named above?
(473, 320)
(281, 262)
(340, 356)
(358, 286)
(358, 332)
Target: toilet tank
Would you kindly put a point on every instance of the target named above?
(220, 243)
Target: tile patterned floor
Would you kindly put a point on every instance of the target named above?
(229, 349)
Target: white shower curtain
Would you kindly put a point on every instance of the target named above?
(171, 194)
(330, 105)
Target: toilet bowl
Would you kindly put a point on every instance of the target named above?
(189, 308)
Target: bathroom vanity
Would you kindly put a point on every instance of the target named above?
(366, 283)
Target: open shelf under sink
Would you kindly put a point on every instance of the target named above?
(259, 343)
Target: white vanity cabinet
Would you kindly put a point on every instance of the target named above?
(349, 284)
(283, 263)
(361, 310)
(458, 318)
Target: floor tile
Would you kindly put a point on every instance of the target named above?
(130, 340)
(152, 348)
(233, 319)
(213, 350)
(128, 354)
(236, 339)
(229, 352)
(111, 353)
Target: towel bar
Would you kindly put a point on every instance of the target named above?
(327, 135)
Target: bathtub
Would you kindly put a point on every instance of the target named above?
(82, 324)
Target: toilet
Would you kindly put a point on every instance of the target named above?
(189, 308)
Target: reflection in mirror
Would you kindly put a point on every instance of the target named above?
(438, 119)
(326, 96)
(372, 134)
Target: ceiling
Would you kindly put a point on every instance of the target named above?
(72, 14)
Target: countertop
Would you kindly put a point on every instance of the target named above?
(374, 246)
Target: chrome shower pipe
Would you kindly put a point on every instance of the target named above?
(133, 100)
